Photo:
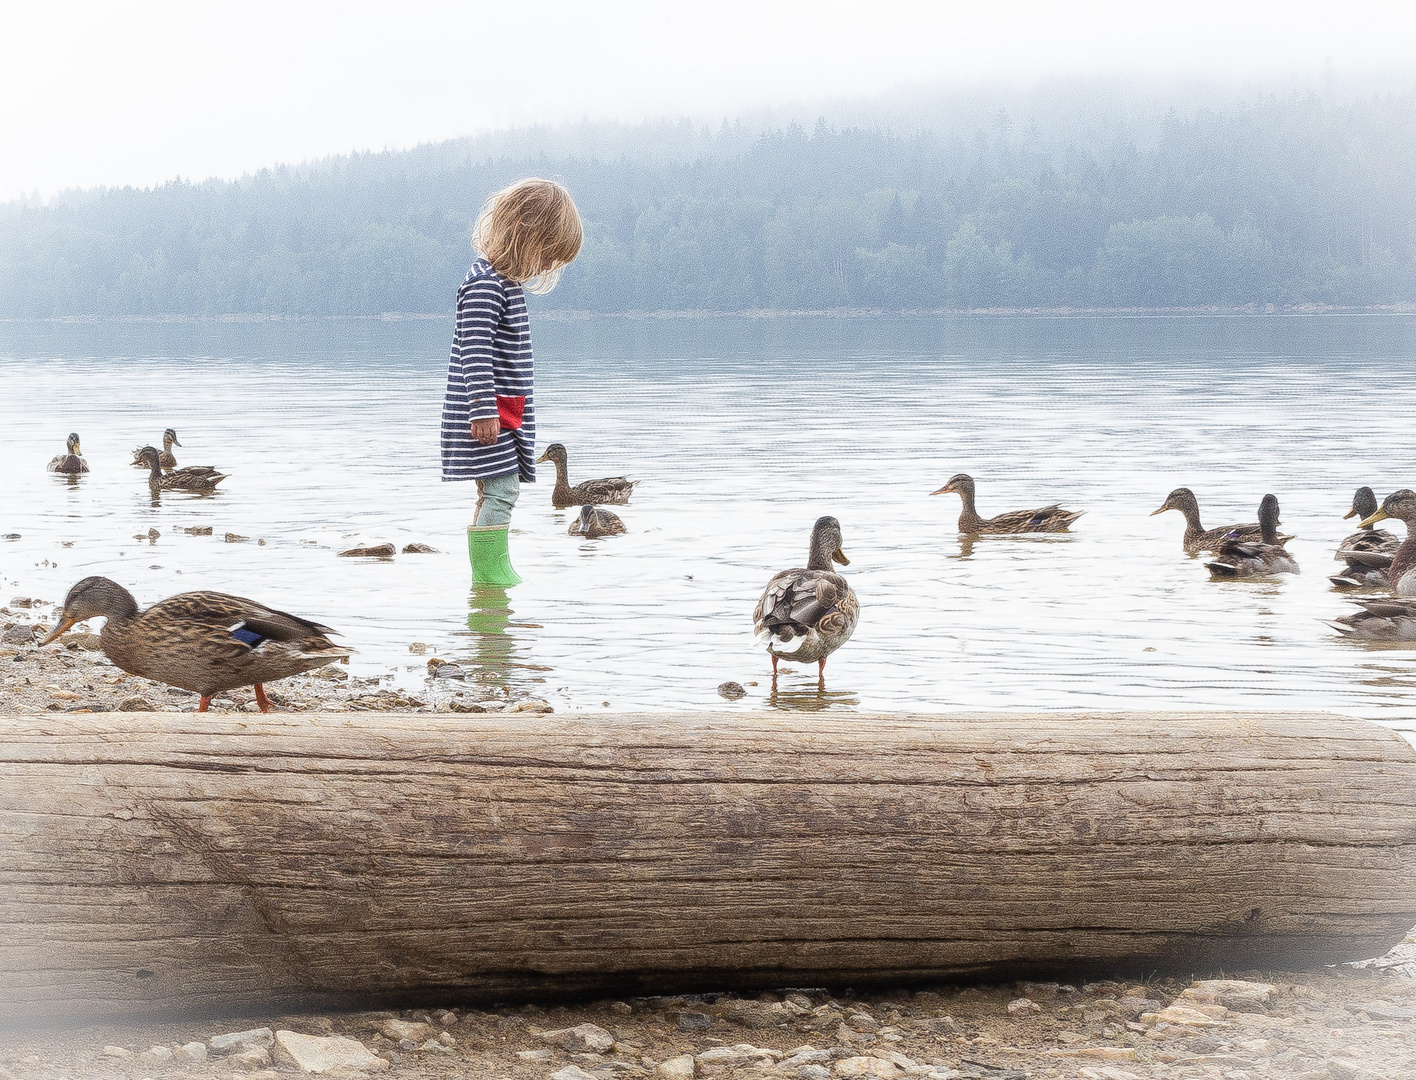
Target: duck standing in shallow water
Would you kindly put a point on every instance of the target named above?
(1045, 519)
(190, 478)
(808, 613)
(1197, 538)
(595, 522)
(1367, 552)
(612, 490)
(70, 463)
(205, 642)
(1248, 558)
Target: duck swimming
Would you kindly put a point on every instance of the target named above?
(70, 463)
(808, 613)
(595, 522)
(205, 642)
(166, 459)
(1248, 558)
(190, 478)
(612, 490)
(1197, 538)
(1046, 519)
(1366, 552)
(1400, 505)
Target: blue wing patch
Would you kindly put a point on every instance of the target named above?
(249, 638)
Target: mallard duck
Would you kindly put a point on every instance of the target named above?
(205, 642)
(190, 478)
(70, 463)
(1197, 537)
(807, 614)
(1247, 558)
(1382, 618)
(166, 459)
(1400, 505)
(595, 522)
(1366, 552)
(1046, 519)
(612, 490)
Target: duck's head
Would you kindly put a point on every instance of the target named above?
(826, 545)
(1182, 499)
(962, 483)
(169, 439)
(587, 518)
(90, 598)
(72, 442)
(554, 453)
(1364, 504)
(147, 457)
(1268, 518)
(1399, 504)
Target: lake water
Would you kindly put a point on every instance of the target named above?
(743, 432)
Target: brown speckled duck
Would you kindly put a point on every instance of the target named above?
(1197, 537)
(205, 642)
(1400, 505)
(70, 463)
(188, 478)
(1248, 558)
(1045, 519)
(595, 522)
(1367, 552)
(808, 613)
(166, 459)
(612, 490)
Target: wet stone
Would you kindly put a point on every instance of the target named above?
(731, 690)
(377, 551)
(419, 549)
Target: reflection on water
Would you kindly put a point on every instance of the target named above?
(742, 433)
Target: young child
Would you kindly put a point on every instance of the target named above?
(526, 235)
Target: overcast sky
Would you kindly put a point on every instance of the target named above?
(95, 93)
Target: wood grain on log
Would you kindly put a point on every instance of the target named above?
(174, 862)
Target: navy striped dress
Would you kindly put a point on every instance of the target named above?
(489, 374)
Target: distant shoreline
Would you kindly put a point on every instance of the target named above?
(563, 315)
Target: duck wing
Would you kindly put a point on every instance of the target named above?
(799, 603)
(610, 490)
(1044, 519)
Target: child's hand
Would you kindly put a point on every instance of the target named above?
(486, 431)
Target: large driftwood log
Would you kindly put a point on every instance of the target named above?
(170, 862)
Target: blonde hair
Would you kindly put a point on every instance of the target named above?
(522, 226)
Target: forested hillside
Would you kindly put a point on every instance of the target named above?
(1285, 198)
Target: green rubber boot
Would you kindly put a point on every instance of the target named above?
(491, 562)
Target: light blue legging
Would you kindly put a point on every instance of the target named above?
(495, 498)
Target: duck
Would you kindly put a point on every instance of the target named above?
(189, 478)
(1197, 538)
(595, 522)
(612, 490)
(808, 613)
(70, 463)
(1400, 505)
(204, 642)
(1382, 618)
(1247, 558)
(166, 459)
(1045, 519)
(1366, 552)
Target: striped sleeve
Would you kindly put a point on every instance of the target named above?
(471, 391)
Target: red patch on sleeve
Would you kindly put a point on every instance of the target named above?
(509, 410)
